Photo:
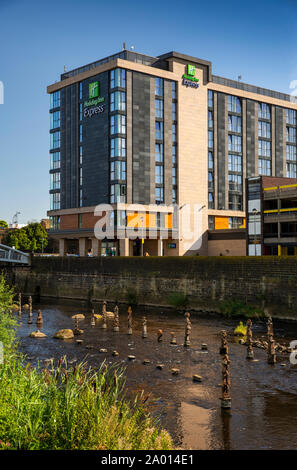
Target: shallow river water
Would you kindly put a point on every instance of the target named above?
(264, 397)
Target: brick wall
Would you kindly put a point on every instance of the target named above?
(207, 281)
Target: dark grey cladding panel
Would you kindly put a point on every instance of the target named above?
(95, 167)
(221, 126)
(141, 138)
(279, 139)
(250, 138)
(74, 146)
(63, 183)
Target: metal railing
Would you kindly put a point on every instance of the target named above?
(10, 255)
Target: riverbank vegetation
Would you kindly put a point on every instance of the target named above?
(62, 407)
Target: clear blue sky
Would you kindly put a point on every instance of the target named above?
(256, 39)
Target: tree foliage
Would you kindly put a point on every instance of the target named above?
(3, 224)
(28, 238)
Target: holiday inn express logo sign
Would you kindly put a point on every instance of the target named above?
(92, 105)
(189, 78)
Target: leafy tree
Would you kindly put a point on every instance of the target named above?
(3, 224)
(28, 238)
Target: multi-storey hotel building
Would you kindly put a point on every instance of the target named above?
(155, 137)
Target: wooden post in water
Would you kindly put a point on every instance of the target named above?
(226, 399)
(187, 341)
(116, 322)
(129, 320)
(104, 325)
(249, 340)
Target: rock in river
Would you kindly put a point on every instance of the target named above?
(64, 334)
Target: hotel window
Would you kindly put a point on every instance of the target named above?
(291, 134)
(118, 147)
(174, 159)
(291, 116)
(210, 161)
(54, 201)
(159, 130)
(80, 198)
(234, 104)
(118, 101)
(235, 222)
(264, 148)
(117, 193)
(211, 221)
(159, 195)
(118, 170)
(55, 222)
(80, 111)
(173, 91)
(55, 180)
(235, 163)
(159, 86)
(174, 171)
(55, 100)
(173, 111)
(55, 120)
(235, 201)
(210, 201)
(55, 160)
(210, 139)
(80, 133)
(159, 108)
(264, 167)
(234, 123)
(159, 174)
(264, 129)
(173, 132)
(80, 155)
(210, 99)
(118, 78)
(234, 143)
(55, 140)
(80, 177)
(80, 90)
(210, 180)
(118, 124)
(210, 119)
(235, 182)
(291, 152)
(263, 111)
(291, 170)
(159, 153)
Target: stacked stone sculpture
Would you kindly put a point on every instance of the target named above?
(129, 320)
(187, 341)
(116, 321)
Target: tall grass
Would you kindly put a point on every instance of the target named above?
(62, 407)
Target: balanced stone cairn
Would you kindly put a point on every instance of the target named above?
(173, 338)
(129, 320)
(93, 322)
(249, 340)
(224, 344)
(271, 359)
(39, 321)
(160, 335)
(76, 330)
(187, 330)
(104, 316)
(144, 327)
(20, 304)
(116, 321)
(226, 399)
(30, 316)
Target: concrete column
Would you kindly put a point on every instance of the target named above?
(82, 247)
(124, 247)
(62, 247)
(96, 247)
(159, 247)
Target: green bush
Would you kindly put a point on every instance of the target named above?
(237, 308)
(177, 299)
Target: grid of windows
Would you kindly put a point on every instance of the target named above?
(117, 130)
(55, 140)
(174, 144)
(54, 201)
(55, 120)
(264, 167)
(291, 117)
(210, 151)
(55, 160)
(235, 188)
(159, 136)
(234, 104)
(234, 123)
(55, 180)
(264, 139)
(55, 99)
(264, 111)
(291, 164)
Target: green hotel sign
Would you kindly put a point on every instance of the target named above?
(189, 78)
(94, 100)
